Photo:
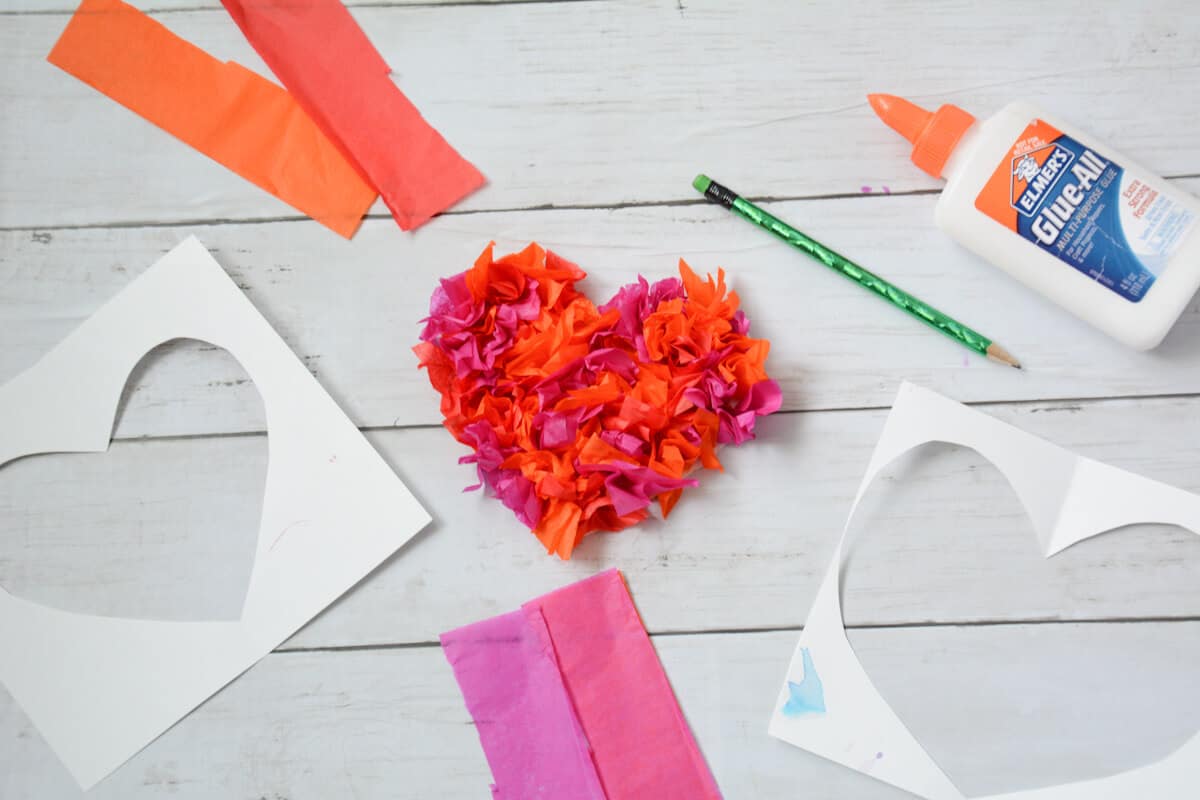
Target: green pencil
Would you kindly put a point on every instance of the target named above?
(865, 278)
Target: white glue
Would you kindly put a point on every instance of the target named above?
(1067, 216)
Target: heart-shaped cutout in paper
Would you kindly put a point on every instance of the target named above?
(1017, 705)
(156, 529)
(580, 416)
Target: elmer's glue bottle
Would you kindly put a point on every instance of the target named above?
(1064, 214)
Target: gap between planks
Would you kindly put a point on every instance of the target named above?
(983, 623)
(1050, 402)
(679, 202)
(676, 203)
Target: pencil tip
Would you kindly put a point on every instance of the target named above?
(998, 353)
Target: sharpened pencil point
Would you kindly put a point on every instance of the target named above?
(997, 353)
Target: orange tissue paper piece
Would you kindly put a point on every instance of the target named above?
(322, 56)
(580, 417)
(222, 109)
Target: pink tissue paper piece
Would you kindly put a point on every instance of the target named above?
(639, 740)
(509, 678)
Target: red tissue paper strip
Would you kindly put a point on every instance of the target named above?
(330, 66)
(639, 740)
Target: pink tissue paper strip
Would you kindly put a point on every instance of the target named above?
(640, 742)
(509, 678)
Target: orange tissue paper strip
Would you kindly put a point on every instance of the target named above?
(222, 109)
(322, 56)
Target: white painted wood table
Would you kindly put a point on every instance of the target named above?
(590, 120)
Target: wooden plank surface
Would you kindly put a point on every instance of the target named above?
(944, 540)
(350, 309)
(1014, 670)
(1076, 701)
(598, 104)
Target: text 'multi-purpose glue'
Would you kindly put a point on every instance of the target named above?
(1067, 216)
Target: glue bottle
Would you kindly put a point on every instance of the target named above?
(1067, 216)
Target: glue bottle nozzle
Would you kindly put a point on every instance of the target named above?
(933, 133)
(905, 118)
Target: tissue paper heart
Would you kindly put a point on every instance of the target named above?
(581, 416)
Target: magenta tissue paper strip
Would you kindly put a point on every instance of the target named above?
(509, 677)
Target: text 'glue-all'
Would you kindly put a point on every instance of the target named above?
(1071, 218)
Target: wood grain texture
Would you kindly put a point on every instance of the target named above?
(157, 531)
(1014, 670)
(943, 538)
(609, 103)
(1059, 702)
(350, 309)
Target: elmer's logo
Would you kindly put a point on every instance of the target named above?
(1034, 175)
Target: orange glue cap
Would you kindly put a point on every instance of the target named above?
(933, 134)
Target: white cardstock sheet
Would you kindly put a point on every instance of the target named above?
(829, 706)
(99, 689)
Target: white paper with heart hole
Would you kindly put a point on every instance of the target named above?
(835, 710)
(99, 689)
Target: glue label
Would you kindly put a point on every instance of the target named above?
(1086, 210)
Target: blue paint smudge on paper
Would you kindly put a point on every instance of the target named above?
(807, 696)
